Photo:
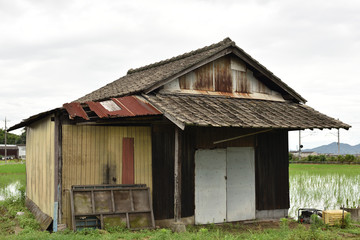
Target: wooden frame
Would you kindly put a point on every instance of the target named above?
(99, 202)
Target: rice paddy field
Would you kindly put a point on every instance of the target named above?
(323, 186)
(320, 186)
(12, 178)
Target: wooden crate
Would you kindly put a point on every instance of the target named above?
(333, 217)
(94, 206)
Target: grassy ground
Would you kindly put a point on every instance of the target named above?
(13, 226)
(12, 161)
(12, 168)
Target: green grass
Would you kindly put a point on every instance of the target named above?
(284, 232)
(12, 168)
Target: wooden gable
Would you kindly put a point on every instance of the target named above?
(228, 75)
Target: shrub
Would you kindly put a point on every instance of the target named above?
(349, 158)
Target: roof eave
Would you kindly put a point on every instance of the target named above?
(31, 119)
(262, 69)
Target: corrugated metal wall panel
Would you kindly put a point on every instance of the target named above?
(93, 155)
(40, 164)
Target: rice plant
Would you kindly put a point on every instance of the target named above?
(315, 187)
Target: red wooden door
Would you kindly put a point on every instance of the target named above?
(128, 161)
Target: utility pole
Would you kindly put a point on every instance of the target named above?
(338, 141)
(5, 142)
(299, 144)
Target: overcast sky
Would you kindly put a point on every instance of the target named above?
(53, 52)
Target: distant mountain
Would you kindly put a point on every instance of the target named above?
(333, 148)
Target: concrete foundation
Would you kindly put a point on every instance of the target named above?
(271, 214)
(178, 227)
(166, 223)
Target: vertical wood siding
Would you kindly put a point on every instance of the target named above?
(226, 74)
(40, 164)
(272, 171)
(192, 138)
(93, 155)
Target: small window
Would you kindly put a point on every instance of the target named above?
(110, 106)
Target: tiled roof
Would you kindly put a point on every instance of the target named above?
(143, 78)
(201, 110)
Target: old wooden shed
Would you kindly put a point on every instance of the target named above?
(207, 131)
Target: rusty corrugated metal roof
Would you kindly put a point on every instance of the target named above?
(129, 106)
(75, 110)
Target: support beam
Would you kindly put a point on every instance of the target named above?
(57, 170)
(177, 176)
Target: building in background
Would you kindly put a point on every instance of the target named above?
(12, 151)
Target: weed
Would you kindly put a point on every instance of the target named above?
(284, 223)
(115, 229)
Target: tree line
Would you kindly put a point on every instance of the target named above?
(12, 138)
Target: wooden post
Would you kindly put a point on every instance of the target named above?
(177, 177)
(5, 142)
(338, 143)
(57, 170)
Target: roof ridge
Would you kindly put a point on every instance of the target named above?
(225, 42)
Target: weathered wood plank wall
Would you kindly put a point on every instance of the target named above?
(226, 74)
(40, 164)
(272, 171)
(163, 163)
(93, 155)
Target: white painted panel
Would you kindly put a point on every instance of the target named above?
(210, 186)
(238, 65)
(173, 85)
(240, 184)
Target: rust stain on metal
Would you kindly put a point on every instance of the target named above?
(98, 109)
(136, 106)
(129, 106)
(222, 74)
(75, 110)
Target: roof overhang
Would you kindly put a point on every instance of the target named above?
(220, 111)
(32, 119)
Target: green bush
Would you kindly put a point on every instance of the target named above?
(349, 158)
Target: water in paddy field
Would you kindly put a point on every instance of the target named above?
(329, 191)
(10, 190)
(10, 185)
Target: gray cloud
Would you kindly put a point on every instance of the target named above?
(52, 52)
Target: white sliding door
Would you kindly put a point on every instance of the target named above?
(224, 185)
